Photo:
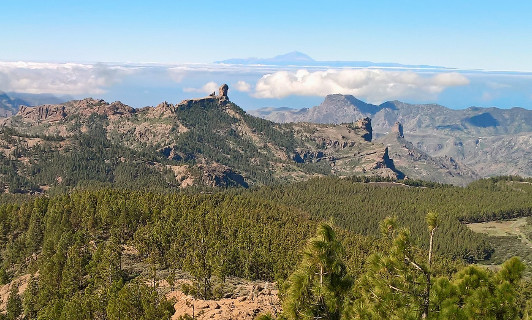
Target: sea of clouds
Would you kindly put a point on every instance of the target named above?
(259, 82)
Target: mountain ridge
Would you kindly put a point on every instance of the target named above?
(491, 141)
(206, 141)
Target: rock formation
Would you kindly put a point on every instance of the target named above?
(398, 129)
(45, 112)
(365, 124)
(85, 108)
(506, 133)
(222, 92)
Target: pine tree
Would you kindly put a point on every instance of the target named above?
(432, 222)
(14, 304)
(396, 285)
(319, 286)
(477, 293)
(393, 285)
(4, 277)
(30, 302)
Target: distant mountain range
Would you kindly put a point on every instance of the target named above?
(10, 102)
(296, 58)
(491, 141)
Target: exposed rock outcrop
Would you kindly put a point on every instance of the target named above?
(382, 160)
(365, 124)
(219, 175)
(85, 107)
(222, 92)
(260, 299)
(398, 129)
(302, 156)
(419, 165)
(46, 112)
(163, 109)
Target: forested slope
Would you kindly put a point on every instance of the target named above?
(75, 244)
(359, 207)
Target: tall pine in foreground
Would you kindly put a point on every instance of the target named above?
(394, 285)
(319, 286)
(397, 284)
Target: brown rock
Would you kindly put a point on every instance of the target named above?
(41, 113)
(219, 175)
(365, 124)
(398, 129)
(223, 91)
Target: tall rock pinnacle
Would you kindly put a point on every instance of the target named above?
(222, 92)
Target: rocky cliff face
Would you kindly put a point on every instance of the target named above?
(42, 113)
(365, 124)
(397, 129)
(11, 102)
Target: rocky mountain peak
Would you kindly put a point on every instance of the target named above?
(45, 112)
(164, 105)
(88, 106)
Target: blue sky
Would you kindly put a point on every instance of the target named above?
(487, 35)
(465, 34)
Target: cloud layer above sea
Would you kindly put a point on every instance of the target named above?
(60, 78)
(255, 83)
(374, 85)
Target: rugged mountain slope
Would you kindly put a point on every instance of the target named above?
(207, 141)
(491, 141)
(415, 163)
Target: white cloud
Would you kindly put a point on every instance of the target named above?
(242, 86)
(59, 78)
(177, 74)
(374, 85)
(209, 88)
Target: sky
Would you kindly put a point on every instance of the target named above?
(144, 52)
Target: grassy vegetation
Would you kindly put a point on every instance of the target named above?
(508, 238)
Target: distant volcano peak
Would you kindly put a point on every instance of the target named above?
(293, 56)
